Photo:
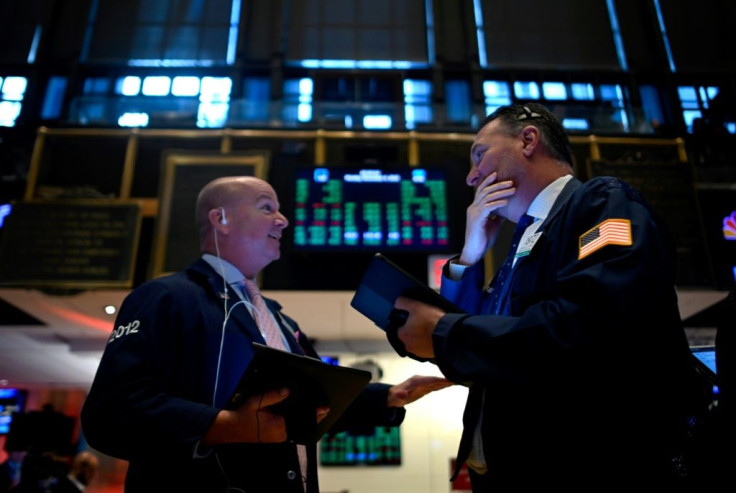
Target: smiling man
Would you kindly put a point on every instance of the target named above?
(579, 370)
(180, 346)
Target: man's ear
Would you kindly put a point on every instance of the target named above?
(215, 216)
(530, 139)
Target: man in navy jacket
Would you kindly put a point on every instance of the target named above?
(580, 375)
(178, 349)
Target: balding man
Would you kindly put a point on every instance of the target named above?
(179, 347)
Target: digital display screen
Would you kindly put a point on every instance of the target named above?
(718, 209)
(349, 208)
(5, 210)
(382, 447)
(707, 356)
(11, 401)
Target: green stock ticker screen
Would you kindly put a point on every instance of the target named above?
(347, 208)
(380, 448)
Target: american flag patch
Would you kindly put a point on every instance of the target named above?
(609, 232)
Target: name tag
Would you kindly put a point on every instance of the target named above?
(526, 246)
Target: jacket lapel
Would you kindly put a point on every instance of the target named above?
(240, 314)
(565, 194)
(239, 330)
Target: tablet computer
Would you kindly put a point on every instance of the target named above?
(311, 383)
(383, 282)
(705, 361)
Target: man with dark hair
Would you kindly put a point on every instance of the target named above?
(579, 370)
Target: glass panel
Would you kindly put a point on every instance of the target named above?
(417, 90)
(712, 92)
(14, 88)
(147, 41)
(297, 100)
(96, 85)
(583, 91)
(417, 102)
(9, 112)
(156, 86)
(304, 112)
(129, 86)
(496, 94)
(653, 117)
(133, 120)
(54, 98)
(183, 43)
(554, 90)
(613, 93)
(376, 122)
(526, 90)
(457, 101)
(306, 89)
(215, 89)
(687, 94)
(185, 86)
(382, 33)
(575, 124)
(256, 99)
(162, 33)
(542, 34)
(212, 115)
(689, 116)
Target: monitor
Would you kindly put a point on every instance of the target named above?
(718, 211)
(12, 401)
(706, 357)
(341, 214)
(369, 208)
(379, 446)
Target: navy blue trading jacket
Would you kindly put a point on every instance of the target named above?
(152, 397)
(589, 381)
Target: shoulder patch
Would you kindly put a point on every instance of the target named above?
(609, 232)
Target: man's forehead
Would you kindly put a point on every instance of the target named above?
(252, 192)
(486, 132)
(266, 194)
(258, 188)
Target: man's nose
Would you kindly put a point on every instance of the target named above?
(473, 177)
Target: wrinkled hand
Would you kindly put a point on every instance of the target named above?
(270, 423)
(253, 422)
(258, 420)
(322, 413)
(416, 333)
(414, 388)
(481, 224)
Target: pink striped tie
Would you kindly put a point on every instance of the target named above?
(266, 322)
(272, 334)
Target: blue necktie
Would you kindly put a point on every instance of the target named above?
(500, 284)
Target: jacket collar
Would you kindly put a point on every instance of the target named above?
(208, 276)
(562, 198)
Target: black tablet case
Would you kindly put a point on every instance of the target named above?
(311, 383)
(383, 282)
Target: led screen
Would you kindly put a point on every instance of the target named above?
(349, 208)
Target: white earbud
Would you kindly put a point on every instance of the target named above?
(224, 219)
